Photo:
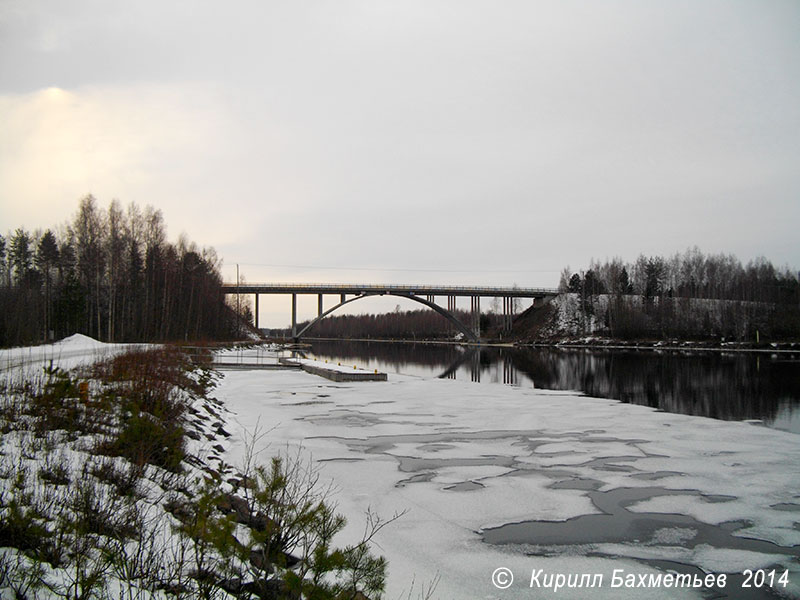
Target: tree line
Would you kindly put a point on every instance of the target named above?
(690, 294)
(401, 325)
(112, 275)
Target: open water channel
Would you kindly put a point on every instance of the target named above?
(733, 386)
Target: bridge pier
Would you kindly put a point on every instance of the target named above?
(256, 315)
(451, 306)
(294, 316)
(476, 315)
(319, 305)
(508, 313)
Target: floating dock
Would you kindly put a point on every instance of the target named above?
(248, 366)
(332, 372)
(342, 375)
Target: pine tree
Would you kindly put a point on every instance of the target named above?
(624, 285)
(575, 284)
(46, 259)
(21, 254)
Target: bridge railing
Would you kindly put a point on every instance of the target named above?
(335, 288)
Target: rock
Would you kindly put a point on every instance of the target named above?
(269, 589)
(260, 561)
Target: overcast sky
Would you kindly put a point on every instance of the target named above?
(439, 141)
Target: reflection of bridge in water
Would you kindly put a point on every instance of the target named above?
(424, 294)
(472, 357)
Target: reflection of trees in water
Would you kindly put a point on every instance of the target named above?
(727, 387)
(730, 387)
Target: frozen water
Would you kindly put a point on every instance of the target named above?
(458, 459)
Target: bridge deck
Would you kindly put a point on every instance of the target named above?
(358, 288)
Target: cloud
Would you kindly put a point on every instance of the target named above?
(172, 146)
(457, 134)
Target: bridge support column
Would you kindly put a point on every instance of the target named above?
(451, 308)
(294, 316)
(476, 315)
(319, 305)
(343, 297)
(508, 313)
(256, 315)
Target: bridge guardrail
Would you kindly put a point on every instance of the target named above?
(337, 288)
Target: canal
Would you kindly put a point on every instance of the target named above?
(732, 386)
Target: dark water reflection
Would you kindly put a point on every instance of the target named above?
(729, 386)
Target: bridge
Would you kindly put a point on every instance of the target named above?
(424, 294)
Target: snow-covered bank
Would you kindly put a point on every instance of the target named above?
(460, 458)
(113, 485)
(91, 460)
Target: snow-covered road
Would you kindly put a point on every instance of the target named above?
(67, 353)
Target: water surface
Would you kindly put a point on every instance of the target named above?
(731, 386)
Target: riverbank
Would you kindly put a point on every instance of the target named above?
(586, 342)
(114, 483)
(665, 345)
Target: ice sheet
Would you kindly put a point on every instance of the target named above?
(398, 446)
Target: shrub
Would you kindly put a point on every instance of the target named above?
(274, 540)
(145, 440)
(285, 550)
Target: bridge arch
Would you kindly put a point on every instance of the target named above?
(432, 305)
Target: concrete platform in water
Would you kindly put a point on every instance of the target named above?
(337, 374)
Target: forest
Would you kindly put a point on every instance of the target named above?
(688, 295)
(110, 274)
(401, 325)
(422, 324)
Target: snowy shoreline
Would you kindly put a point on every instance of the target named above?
(569, 343)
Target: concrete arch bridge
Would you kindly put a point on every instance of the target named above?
(424, 294)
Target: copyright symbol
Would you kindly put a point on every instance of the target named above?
(502, 578)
